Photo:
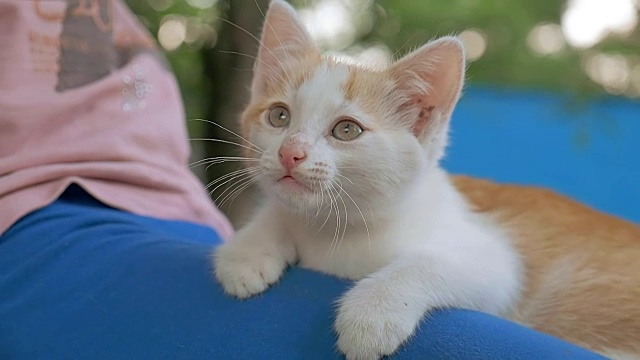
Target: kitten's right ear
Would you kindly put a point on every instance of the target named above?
(431, 79)
(283, 41)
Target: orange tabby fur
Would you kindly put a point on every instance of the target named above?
(583, 273)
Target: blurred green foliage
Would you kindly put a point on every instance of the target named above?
(187, 60)
(508, 60)
(401, 25)
(211, 44)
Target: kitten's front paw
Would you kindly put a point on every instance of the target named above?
(245, 272)
(371, 324)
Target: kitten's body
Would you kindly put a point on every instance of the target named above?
(582, 268)
(375, 206)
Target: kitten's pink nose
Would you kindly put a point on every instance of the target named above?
(291, 156)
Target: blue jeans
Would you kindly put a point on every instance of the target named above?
(81, 280)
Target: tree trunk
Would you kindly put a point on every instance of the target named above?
(230, 77)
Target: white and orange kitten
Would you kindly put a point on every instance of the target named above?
(349, 161)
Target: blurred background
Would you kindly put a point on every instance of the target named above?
(579, 58)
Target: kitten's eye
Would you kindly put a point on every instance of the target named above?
(346, 130)
(279, 116)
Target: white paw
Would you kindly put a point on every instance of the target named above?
(372, 323)
(244, 272)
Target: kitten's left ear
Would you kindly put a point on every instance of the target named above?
(430, 80)
(284, 40)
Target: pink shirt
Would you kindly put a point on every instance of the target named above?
(86, 98)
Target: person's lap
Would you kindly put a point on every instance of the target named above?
(79, 280)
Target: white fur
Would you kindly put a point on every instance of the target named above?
(383, 212)
(420, 249)
(617, 355)
(424, 258)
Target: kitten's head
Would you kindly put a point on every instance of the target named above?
(330, 129)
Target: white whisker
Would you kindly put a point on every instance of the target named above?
(243, 175)
(229, 131)
(349, 180)
(336, 233)
(321, 201)
(240, 179)
(328, 215)
(210, 164)
(346, 214)
(220, 160)
(255, 38)
(363, 219)
(239, 189)
(227, 142)
(258, 59)
(225, 176)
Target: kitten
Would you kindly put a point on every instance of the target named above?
(349, 161)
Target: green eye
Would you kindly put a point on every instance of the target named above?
(347, 130)
(279, 116)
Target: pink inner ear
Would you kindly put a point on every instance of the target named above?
(423, 120)
(431, 78)
(421, 124)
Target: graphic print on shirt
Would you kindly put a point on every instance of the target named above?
(89, 46)
(88, 28)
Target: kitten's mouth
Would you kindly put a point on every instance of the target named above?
(289, 180)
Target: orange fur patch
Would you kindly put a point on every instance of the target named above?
(293, 73)
(582, 266)
(366, 88)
